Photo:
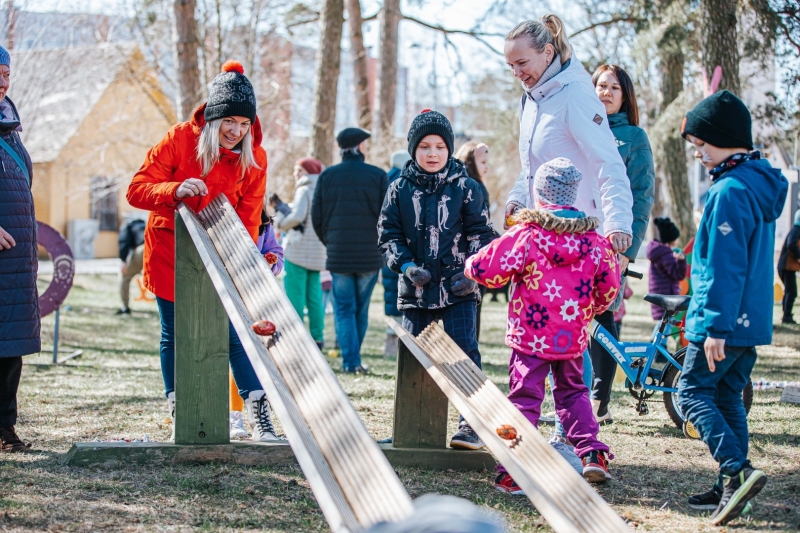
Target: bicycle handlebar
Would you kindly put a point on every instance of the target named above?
(633, 274)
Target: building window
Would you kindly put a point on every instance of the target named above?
(103, 196)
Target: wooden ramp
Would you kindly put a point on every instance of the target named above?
(562, 496)
(351, 478)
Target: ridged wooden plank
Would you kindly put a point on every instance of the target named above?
(347, 467)
(563, 497)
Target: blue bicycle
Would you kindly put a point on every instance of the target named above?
(647, 373)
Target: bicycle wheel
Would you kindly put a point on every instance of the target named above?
(670, 379)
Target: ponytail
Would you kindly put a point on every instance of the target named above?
(549, 29)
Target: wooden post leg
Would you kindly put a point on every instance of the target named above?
(201, 349)
(420, 406)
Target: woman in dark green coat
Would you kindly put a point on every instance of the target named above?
(615, 89)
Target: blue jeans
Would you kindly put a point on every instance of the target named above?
(587, 380)
(459, 323)
(243, 372)
(712, 401)
(351, 294)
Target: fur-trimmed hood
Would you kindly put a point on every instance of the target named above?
(554, 221)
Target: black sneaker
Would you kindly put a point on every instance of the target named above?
(708, 501)
(737, 491)
(123, 311)
(466, 439)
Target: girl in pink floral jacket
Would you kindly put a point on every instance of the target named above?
(562, 273)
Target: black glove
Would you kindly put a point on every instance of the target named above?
(461, 285)
(418, 275)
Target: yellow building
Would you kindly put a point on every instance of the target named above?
(89, 115)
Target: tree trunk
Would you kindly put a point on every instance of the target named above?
(359, 53)
(324, 109)
(185, 35)
(719, 38)
(674, 167)
(386, 81)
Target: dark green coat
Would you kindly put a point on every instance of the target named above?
(634, 148)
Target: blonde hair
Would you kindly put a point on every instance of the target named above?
(467, 155)
(549, 29)
(208, 148)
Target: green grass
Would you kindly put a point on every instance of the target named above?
(115, 391)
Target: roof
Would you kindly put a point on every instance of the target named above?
(54, 90)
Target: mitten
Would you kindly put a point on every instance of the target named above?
(418, 275)
(461, 285)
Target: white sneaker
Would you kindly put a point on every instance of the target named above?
(259, 417)
(236, 424)
(606, 418)
(171, 406)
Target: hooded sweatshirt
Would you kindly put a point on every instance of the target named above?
(563, 117)
(562, 273)
(732, 260)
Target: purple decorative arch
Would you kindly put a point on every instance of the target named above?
(63, 268)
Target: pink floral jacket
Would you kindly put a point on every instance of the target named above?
(562, 273)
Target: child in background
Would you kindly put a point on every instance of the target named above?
(731, 309)
(667, 266)
(268, 245)
(432, 219)
(562, 274)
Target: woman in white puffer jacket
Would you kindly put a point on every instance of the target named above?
(561, 116)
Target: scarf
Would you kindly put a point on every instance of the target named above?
(732, 162)
(550, 72)
(452, 170)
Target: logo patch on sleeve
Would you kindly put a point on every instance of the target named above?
(725, 228)
(597, 119)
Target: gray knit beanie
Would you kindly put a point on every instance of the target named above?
(430, 122)
(5, 57)
(556, 182)
(231, 94)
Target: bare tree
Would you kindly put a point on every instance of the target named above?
(359, 54)
(720, 42)
(185, 37)
(386, 90)
(328, 55)
(673, 164)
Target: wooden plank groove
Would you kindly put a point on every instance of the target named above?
(345, 425)
(365, 478)
(564, 498)
(329, 495)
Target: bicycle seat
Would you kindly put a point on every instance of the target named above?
(670, 304)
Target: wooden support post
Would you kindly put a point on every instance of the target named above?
(201, 349)
(420, 406)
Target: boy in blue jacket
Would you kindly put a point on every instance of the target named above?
(730, 312)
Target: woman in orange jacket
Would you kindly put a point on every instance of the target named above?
(217, 151)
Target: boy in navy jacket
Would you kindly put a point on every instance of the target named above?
(732, 279)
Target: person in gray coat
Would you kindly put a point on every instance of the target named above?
(303, 252)
(20, 326)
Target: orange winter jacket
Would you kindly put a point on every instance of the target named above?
(174, 160)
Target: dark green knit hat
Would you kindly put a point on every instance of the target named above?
(430, 123)
(721, 120)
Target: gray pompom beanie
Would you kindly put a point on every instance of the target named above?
(556, 182)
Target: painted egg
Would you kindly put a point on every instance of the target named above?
(271, 258)
(264, 328)
(507, 432)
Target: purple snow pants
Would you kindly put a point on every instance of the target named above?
(527, 375)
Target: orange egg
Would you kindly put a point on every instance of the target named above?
(507, 432)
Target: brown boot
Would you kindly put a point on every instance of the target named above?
(11, 442)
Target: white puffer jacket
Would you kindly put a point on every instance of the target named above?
(302, 248)
(565, 118)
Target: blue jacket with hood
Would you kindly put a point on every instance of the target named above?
(732, 262)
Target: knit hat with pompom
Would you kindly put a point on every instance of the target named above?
(231, 94)
(430, 123)
(556, 182)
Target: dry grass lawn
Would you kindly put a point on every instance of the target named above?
(115, 391)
